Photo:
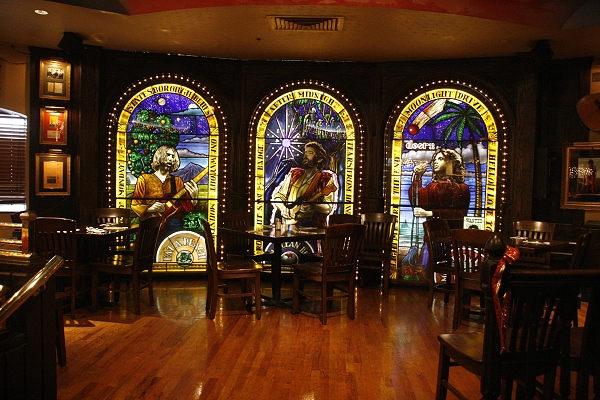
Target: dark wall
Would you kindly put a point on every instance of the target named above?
(537, 103)
(563, 84)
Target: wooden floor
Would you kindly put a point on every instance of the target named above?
(172, 351)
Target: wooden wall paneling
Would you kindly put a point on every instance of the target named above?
(521, 143)
(59, 206)
(562, 84)
(90, 190)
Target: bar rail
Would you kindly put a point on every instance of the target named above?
(30, 288)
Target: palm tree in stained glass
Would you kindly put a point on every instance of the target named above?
(463, 123)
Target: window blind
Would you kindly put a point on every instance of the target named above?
(13, 150)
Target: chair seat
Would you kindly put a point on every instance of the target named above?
(467, 349)
(310, 268)
(258, 256)
(315, 271)
(464, 345)
(241, 266)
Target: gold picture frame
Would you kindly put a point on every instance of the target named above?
(55, 80)
(53, 126)
(52, 174)
(580, 186)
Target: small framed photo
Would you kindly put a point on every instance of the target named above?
(55, 79)
(52, 174)
(580, 184)
(53, 126)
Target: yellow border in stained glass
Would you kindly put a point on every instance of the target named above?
(398, 144)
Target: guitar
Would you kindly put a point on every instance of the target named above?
(296, 204)
(588, 109)
(171, 206)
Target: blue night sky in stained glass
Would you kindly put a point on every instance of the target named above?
(187, 118)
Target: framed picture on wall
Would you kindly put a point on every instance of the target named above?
(55, 79)
(580, 181)
(52, 174)
(53, 126)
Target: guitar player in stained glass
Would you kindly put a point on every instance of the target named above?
(163, 194)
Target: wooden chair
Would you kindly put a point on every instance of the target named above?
(534, 230)
(223, 275)
(376, 252)
(583, 354)
(540, 306)
(130, 267)
(340, 252)
(575, 259)
(438, 240)
(236, 246)
(58, 236)
(334, 219)
(468, 251)
(114, 217)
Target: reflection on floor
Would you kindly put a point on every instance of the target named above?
(172, 351)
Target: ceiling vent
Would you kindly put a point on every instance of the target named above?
(314, 24)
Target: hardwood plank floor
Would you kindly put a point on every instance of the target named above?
(172, 351)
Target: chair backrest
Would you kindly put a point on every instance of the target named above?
(580, 252)
(235, 244)
(436, 229)
(335, 219)
(537, 317)
(211, 255)
(56, 236)
(111, 216)
(341, 246)
(379, 231)
(468, 247)
(145, 243)
(534, 230)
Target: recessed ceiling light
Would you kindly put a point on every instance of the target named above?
(41, 12)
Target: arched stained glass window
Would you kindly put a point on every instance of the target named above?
(167, 134)
(447, 143)
(304, 139)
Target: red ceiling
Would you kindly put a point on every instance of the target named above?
(541, 13)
